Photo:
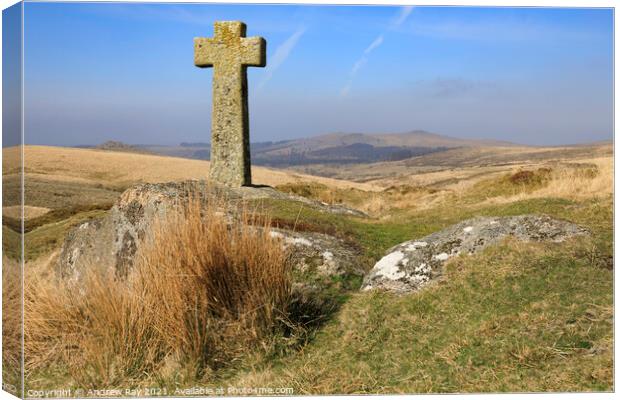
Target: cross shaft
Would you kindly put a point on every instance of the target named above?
(229, 52)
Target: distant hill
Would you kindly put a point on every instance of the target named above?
(415, 138)
(502, 157)
(113, 145)
(337, 148)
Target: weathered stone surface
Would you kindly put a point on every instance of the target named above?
(323, 266)
(413, 264)
(317, 253)
(114, 240)
(229, 52)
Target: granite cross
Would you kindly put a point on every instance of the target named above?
(229, 52)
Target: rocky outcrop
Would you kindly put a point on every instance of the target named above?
(413, 264)
(114, 240)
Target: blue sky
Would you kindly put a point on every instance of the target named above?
(124, 71)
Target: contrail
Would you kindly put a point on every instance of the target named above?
(404, 13)
(281, 54)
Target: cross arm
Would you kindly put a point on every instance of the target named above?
(204, 52)
(229, 46)
(254, 51)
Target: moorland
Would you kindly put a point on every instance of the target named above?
(516, 317)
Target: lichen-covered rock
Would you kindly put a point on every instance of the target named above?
(317, 253)
(413, 264)
(322, 267)
(114, 240)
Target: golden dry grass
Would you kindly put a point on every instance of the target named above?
(578, 179)
(123, 169)
(190, 305)
(29, 212)
(571, 183)
(453, 178)
(11, 322)
(574, 180)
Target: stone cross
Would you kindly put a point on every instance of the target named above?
(229, 52)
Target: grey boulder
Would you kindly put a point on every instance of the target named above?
(114, 240)
(411, 265)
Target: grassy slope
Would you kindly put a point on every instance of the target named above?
(517, 317)
(46, 238)
(529, 327)
(41, 240)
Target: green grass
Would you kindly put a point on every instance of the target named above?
(53, 216)
(375, 237)
(517, 317)
(11, 243)
(48, 237)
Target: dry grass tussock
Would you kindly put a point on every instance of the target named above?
(590, 178)
(11, 321)
(410, 197)
(201, 293)
(374, 203)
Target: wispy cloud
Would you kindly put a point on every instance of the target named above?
(398, 21)
(280, 55)
(376, 43)
(360, 63)
(404, 13)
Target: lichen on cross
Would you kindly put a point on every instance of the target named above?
(229, 52)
